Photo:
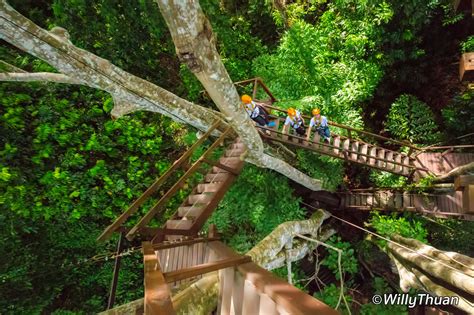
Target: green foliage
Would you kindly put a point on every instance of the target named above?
(66, 170)
(257, 202)
(405, 225)
(348, 260)
(381, 287)
(386, 179)
(410, 119)
(459, 117)
(132, 35)
(451, 235)
(468, 45)
(330, 296)
(329, 170)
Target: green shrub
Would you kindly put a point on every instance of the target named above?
(410, 119)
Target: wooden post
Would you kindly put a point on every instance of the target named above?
(157, 294)
(212, 231)
(466, 184)
(113, 285)
(255, 87)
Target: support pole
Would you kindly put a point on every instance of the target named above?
(113, 285)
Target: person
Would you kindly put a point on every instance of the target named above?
(256, 112)
(321, 124)
(295, 120)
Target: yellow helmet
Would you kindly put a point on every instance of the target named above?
(246, 99)
(291, 112)
(316, 111)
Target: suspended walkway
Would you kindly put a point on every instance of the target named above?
(447, 204)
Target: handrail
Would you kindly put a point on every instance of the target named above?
(353, 129)
(138, 202)
(258, 80)
(160, 204)
(448, 147)
(339, 148)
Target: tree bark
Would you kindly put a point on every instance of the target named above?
(436, 272)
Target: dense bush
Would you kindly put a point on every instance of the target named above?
(410, 119)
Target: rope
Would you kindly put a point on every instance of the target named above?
(400, 245)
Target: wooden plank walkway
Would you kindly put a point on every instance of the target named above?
(349, 149)
(443, 205)
(441, 163)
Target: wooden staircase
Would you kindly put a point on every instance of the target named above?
(350, 148)
(347, 148)
(198, 206)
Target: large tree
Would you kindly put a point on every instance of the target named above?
(192, 35)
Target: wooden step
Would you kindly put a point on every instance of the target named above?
(216, 169)
(199, 198)
(398, 159)
(354, 150)
(179, 224)
(345, 146)
(217, 177)
(381, 155)
(230, 161)
(190, 211)
(336, 143)
(406, 161)
(389, 157)
(372, 152)
(237, 146)
(208, 187)
(363, 149)
(232, 153)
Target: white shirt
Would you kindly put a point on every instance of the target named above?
(252, 109)
(322, 121)
(295, 122)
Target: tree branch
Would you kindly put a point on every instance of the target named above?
(11, 68)
(55, 48)
(38, 76)
(460, 170)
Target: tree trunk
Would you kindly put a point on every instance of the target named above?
(436, 272)
(195, 46)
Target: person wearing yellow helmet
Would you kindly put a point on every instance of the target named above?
(321, 125)
(295, 120)
(256, 112)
